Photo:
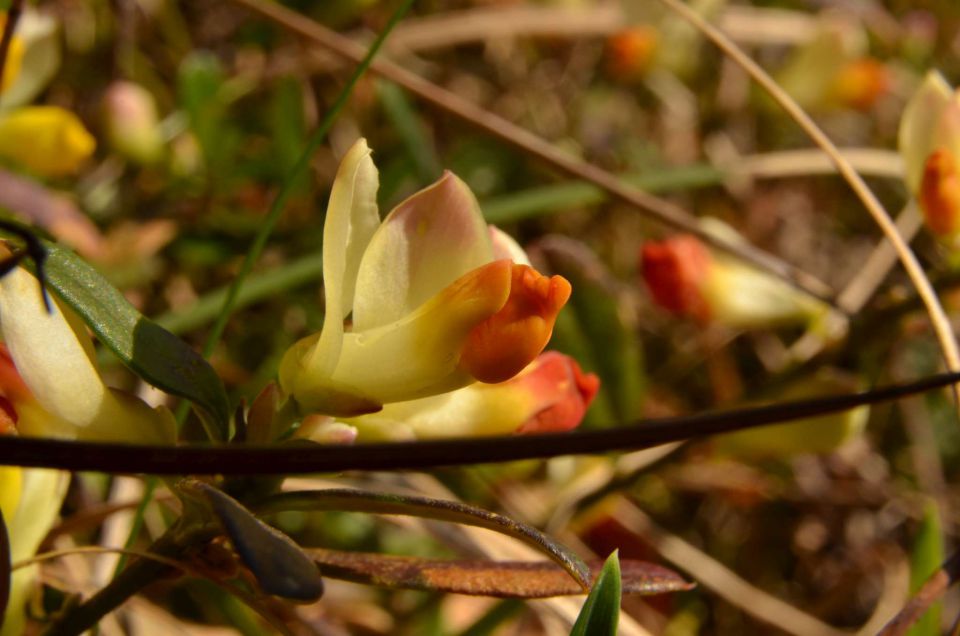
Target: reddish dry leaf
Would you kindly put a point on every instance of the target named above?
(505, 579)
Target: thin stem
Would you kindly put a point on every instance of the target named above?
(286, 460)
(938, 317)
(928, 594)
(666, 212)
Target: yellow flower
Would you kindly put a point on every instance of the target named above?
(930, 146)
(47, 140)
(50, 378)
(435, 298)
(551, 394)
(30, 501)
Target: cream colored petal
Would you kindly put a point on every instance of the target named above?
(504, 246)
(48, 353)
(41, 496)
(427, 242)
(54, 359)
(352, 218)
(408, 359)
(919, 124)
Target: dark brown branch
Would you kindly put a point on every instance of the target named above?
(311, 458)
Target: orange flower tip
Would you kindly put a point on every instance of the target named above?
(629, 52)
(940, 193)
(8, 417)
(861, 83)
(506, 342)
(12, 385)
(572, 392)
(675, 271)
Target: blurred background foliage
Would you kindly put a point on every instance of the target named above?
(840, 536)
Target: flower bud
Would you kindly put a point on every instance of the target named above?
(132, 125)
(47, 140)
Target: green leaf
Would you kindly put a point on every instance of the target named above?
(925, 559)
(150, 351)
(348, 500)
(6, 568)
(280, 565)
(601, 611)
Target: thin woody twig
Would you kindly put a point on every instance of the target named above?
(928, 594)
(664, 211)
(938, 317)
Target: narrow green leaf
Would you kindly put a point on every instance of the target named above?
(404, 119)
(600, 614)
(348, 500)
(925, 558)
(280, 565)
(6, 568)
(147, 349)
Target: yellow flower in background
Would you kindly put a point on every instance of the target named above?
(33, 60)
(30, 501)
(435, 302)
(929, 140)
(50, 378)
(47, 140)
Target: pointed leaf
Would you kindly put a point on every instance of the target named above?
(147, 349)
(280, 566)
(504, 579)
(601, 611)
(348, 500)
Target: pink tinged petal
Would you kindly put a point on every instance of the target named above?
(920, 123)
(504, 246)
(425, 244)
(410, 358)
(352, 219)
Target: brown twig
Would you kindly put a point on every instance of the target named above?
(664, 211)
(928, 594)
(938, 317)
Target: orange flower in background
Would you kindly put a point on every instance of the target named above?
(629, 53)
(551, 394)
(685, 278)
(435, 298)
(929, 142)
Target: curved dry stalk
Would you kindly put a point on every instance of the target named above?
(666, 212)
(928, 594)
(938, 317)
(722, 581)
(865, 282)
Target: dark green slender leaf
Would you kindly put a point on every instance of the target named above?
(147, 349)
(504, 579)
(349, 500)
(280, 565)
(600, 614)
